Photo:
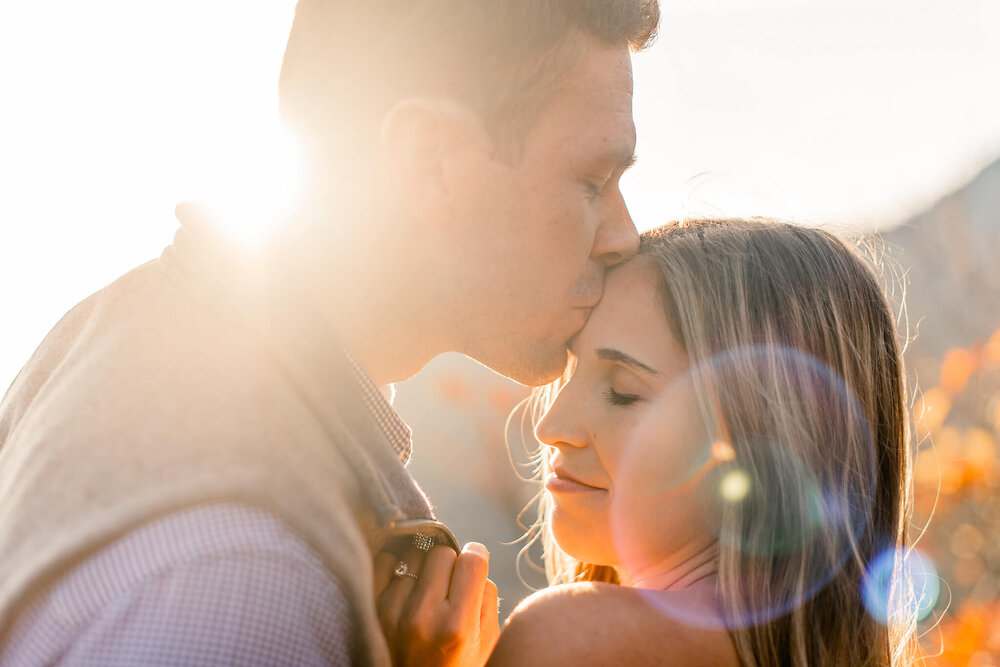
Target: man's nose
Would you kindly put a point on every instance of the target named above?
(617, 239)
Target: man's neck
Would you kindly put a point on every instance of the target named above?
(385, 359)
(367, 280)
(387, 336)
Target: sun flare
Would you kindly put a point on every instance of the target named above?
(256, 186)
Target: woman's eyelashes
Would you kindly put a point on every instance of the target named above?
(615, 398)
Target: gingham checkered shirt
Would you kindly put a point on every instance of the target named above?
(220, 584)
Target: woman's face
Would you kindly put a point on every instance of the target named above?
(625, 438)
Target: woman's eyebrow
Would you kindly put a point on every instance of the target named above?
(610, 354)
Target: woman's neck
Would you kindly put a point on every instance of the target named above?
(676, 571)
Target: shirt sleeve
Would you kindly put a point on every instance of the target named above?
(249, 610)
(222, 584)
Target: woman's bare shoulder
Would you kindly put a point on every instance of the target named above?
(602, 624)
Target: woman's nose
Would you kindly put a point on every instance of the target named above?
(560, 427)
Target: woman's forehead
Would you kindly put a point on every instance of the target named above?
(630, 318)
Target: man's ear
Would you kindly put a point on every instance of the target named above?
(420, 140)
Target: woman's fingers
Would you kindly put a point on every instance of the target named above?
(435, 577)
(447, 615)
(397, 591)
(489, 620)
(465, 595)
(382, 569)
(489, 614)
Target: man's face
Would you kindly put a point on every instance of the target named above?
(539, 234)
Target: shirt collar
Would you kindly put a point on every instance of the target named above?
(378, 401)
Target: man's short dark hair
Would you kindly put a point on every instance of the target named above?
(348, 61)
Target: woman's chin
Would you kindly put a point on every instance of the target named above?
(580, 546)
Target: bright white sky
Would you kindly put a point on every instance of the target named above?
(856, 112)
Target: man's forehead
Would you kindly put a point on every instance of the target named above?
(597, 94)
(600, 71)
(585, 135)
(587, 114)
(604, 135)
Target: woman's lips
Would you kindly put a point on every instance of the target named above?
(560, 482)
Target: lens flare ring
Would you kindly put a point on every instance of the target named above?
(797, 511)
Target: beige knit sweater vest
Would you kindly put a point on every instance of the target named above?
(164, 391)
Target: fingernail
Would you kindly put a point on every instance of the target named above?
(476, 547)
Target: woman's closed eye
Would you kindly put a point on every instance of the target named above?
(615, 398)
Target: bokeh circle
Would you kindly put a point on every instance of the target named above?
(789, 501)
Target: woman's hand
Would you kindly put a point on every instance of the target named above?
(447, 615)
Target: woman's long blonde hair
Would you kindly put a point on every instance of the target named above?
(798, 367)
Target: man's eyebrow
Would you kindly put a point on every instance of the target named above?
(620, 160)
(618, 356)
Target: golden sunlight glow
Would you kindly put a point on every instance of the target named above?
(857, 113)
(256, 186)
(119, 110)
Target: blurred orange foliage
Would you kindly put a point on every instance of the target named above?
(956, 369)
(970, 637)
(957, 485)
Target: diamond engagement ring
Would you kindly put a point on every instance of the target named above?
(403, 570)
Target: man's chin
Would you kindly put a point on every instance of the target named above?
(533, 371)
